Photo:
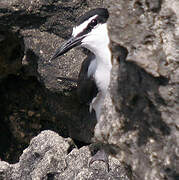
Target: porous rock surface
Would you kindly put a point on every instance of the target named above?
(140, 118)
(141, 111)
(49, 156)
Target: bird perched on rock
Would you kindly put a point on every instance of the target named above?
(91, 32)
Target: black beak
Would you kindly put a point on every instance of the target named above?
(69, 44)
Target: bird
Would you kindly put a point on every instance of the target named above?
(91, 32)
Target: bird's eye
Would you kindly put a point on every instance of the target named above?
(93, 23)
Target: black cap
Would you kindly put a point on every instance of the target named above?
(102, 15)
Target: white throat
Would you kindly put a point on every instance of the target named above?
(97, 42)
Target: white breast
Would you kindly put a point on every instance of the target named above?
(101, 73)
(102, 77)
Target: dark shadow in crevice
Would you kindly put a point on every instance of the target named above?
(171, 173)
(80, 144)
(28, 107)
(137, 98)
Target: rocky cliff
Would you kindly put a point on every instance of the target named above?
(140, 118)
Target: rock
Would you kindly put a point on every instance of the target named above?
(51, 156)
(151, 38)
(34, 86)
(45, 26)
(135, 120)
(154, 5)
(140, 115)
(23, 100)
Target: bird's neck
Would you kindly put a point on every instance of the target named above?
(103, 55)
(101, 48)
(103, 62)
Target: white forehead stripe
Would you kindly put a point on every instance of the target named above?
(81, 27)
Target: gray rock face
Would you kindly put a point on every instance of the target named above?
(151, 37)
(50, 156)
(141, 111)
(140, 118)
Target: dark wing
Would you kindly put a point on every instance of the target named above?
(87, 88)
